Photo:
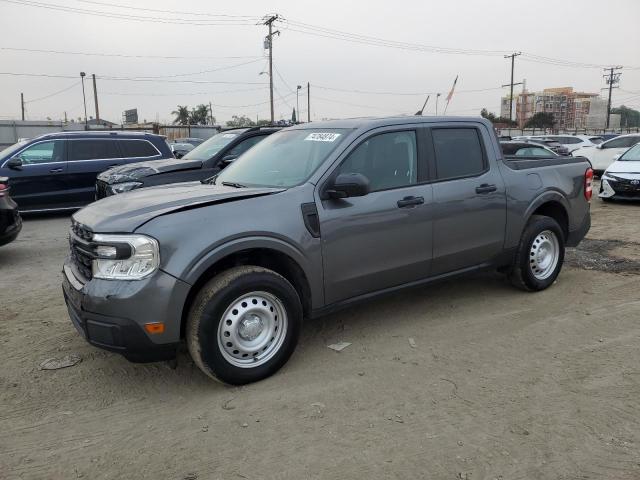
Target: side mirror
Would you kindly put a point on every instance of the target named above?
(227, 159)
(15, 163)
(599, 146)
(617, 157)
(349, 185)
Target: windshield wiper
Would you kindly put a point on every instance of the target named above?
(233, 184)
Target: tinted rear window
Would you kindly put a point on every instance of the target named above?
(458, 152)
(92, 149)
(137, 148)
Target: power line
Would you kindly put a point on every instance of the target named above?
(252, 18)
(54, 94)
(133, 79)
(190, 73)
(137, 18)
(370, 92)
(180, 94)
(120, 55)
(315, 30)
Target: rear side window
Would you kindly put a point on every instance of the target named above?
(92, 149)
(137, 148)
(622, 142)
(569, 140)
(458, 152)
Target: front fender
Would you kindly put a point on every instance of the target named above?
(312, 269)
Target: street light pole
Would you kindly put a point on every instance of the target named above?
(298, 104)
(84, 99)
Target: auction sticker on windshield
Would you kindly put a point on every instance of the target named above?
(229, 135)
(322, 137)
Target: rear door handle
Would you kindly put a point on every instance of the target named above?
(56, 170)
(486, 188)
(410, 202)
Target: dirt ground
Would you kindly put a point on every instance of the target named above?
(499, 384)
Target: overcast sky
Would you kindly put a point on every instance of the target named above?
(587, 32)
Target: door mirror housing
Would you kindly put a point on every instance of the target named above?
(15, 163)
(617, 157)
(228, 159)
(349, 185)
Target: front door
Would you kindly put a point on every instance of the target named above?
(42, 181)
(469, 200)
(382, 239)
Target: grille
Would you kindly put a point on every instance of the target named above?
(625, 186)
(80, 249)
(101, 190)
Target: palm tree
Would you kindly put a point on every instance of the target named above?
(182, 115)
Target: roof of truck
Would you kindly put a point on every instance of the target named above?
(373, 122)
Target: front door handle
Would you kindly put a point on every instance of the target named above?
(410, 202)
(486, 188)
(56, 170)
(114, 165)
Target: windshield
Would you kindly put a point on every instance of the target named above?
(208, 149)
(631, 155)
(285, 159)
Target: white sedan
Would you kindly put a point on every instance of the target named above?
(603, 155)
(622, 178)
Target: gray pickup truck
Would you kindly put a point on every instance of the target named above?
(314, 218)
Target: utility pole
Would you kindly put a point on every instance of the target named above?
(612, 79)
(268, 20)
(211, 112)
(308, 102)
(22, 105)
(95, 97)
(437, 98)
(298, 88)
(513, 57)
(84, 100)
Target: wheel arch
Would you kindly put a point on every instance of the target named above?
(551, 204)
(273, 254)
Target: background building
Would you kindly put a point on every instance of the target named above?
(571, 110)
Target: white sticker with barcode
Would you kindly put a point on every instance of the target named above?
(229, 135)
(322, 137)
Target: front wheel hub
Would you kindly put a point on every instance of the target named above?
(252, 329)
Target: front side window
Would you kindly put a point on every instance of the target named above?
(622, 142)
(245, 145)
(92, 149)
(43, 152)
(137, 149)
(631, 155)
(211, 147)
(284, 159)
(388, 160)
(596, 140)
(458, 152)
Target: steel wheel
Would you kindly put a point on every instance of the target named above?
(544, 254)
(252, 329)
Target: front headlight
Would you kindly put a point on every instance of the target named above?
(125, 257)
(123, 187)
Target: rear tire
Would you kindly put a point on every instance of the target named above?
(244, 325)
(540, 255)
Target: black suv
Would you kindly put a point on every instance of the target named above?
(57, 171)
(204, 161)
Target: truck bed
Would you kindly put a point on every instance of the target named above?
(524, 163)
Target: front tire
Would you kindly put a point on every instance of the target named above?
(539, 256)
(244, 325)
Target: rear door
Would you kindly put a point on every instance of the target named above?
(42, 182)
(382, 239)
(87, 158)
(469, 198)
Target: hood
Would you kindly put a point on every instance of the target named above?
(125, 212)
(624, 167)
(136, 171)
